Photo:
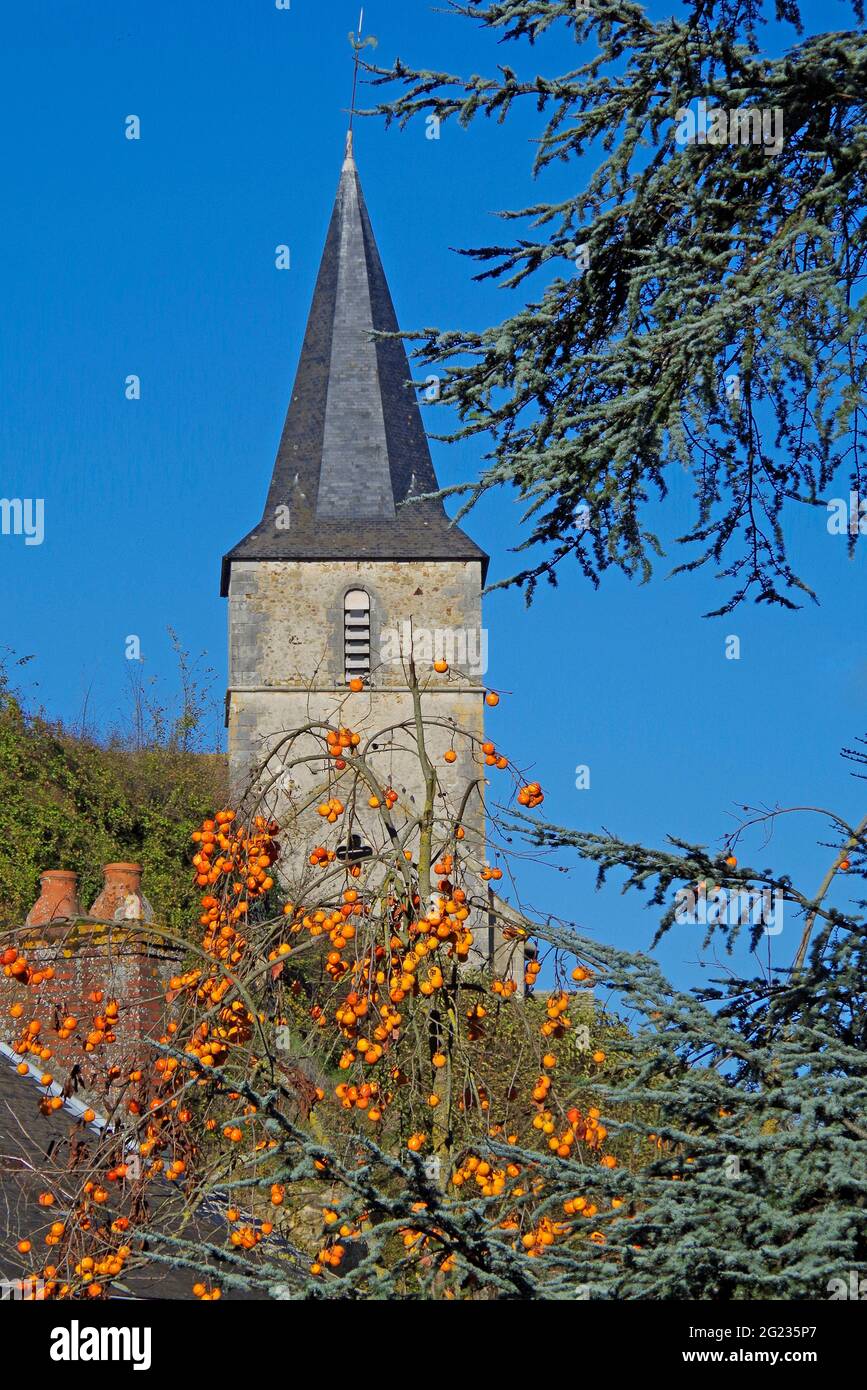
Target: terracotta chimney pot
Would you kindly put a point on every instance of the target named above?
(58, 898)
(121, 898)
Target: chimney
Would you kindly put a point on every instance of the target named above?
(111, 978)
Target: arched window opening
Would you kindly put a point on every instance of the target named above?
(356, 635)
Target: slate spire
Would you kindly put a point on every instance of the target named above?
(353, 447)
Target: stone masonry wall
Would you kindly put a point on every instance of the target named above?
(287, 654)
(286, 632)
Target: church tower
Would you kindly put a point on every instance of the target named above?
(321, 590)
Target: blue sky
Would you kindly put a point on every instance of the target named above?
(156, 258)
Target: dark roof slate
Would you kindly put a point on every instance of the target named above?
(353, 448)
(33, 1146)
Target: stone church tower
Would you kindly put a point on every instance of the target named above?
(338, 565)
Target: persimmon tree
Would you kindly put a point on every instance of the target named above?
(357, 1106)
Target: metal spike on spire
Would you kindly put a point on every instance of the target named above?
(357, 45)
(358, 42)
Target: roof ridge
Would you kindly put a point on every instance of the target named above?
(34, 1074)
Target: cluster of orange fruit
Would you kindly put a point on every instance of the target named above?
(492, 757)
(31, 1041)
(365, 1097)
(331, 1254)
(558, 1020)
(579, 1206)
(543, 1235)
(247, 1237)
(335, 925)
(109, 1267)
(226, 850)
(531, 795)
(94, 1272)
(541, 1089)
(243, 859)
(15, 967)
(390, 796)
(340, 741)
(491, 1181)
(580, 1128)
(103, 1024)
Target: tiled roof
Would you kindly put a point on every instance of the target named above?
(34, 1154)
(353, 449)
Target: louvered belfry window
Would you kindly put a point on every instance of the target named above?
(356, 634)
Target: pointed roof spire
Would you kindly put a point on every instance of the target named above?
(353, 447)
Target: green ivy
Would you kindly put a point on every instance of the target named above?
(70, 802)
